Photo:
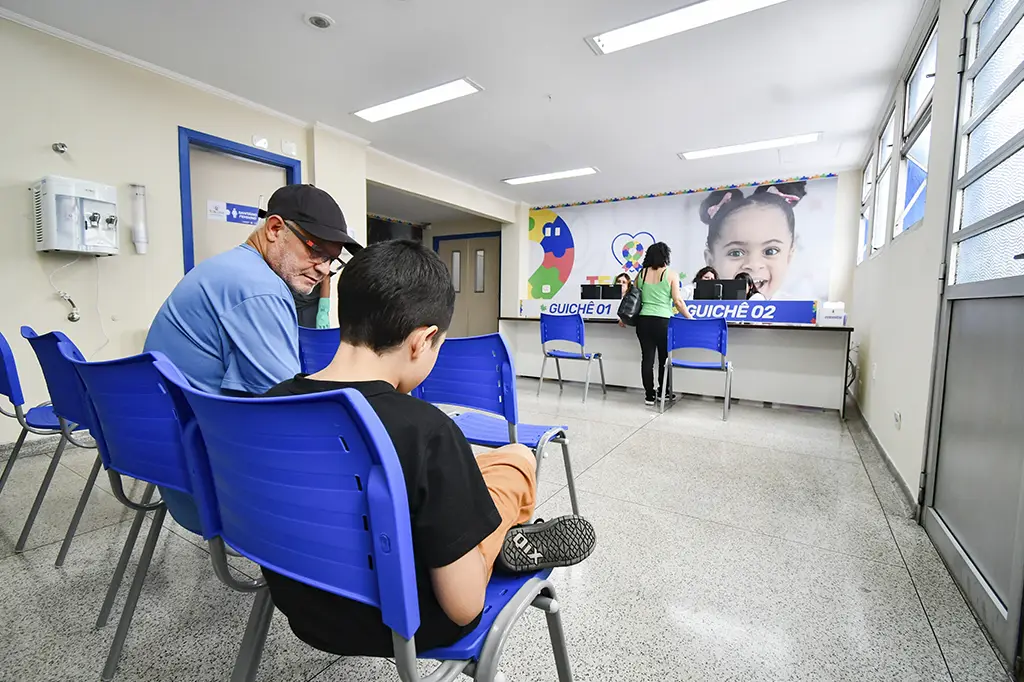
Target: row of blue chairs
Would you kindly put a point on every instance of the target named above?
(710, 335)
(236, 459)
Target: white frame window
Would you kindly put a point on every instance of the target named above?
(867, 198)
(882, 210)
(912, 191)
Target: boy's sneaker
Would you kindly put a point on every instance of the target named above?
(536, 546)
(649, 402)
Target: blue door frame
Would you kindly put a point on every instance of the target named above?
(193, 138)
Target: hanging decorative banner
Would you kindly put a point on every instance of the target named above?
(781, 234)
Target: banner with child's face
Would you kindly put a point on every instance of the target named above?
(780, 234)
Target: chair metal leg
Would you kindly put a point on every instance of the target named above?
(558, 647)
(600, 365)
(569, 478)
(586, 383)
(540, 382)
(247, 664)
(122, 562)
(114, 656)
(79, 510)
(43, 487)
(664, 385)
(558, 368)
(728, 393)
(10, 460)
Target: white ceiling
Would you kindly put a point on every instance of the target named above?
(549, 103)
(393, 203)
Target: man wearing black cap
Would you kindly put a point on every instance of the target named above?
(230, 324)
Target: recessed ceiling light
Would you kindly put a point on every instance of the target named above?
(420, 100)
(685, 19)
(751, 147)
(319, 20)
(560, 175)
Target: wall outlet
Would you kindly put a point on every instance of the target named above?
(898, 419)
(874, 371)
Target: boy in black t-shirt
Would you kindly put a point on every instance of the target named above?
(395, 303)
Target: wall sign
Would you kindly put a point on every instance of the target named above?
(226, 212)
(764, 312)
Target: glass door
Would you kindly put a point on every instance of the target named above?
(974, 505)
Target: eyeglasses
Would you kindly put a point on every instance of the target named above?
(317, 252)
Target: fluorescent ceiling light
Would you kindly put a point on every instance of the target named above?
(420, 100)
(560, 175)
(751, 147)
(685, 19)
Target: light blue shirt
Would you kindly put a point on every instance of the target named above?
(230, 325)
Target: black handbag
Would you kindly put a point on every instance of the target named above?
(631, 303)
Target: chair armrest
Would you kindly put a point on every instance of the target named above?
(219, 559)
(117, 487)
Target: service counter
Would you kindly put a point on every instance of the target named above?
(803, 365)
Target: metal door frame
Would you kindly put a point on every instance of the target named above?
(474, 235)
(188, 138)
(981, 598)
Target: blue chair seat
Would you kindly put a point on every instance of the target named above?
(489, 431)
(569, 355)
(688, 364)
(500, 591)
(43, 417)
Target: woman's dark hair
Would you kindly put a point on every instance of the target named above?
(620, 276)
(783, 196)
(751, 287)
(703, 271)
(658, 255)
(390, 289)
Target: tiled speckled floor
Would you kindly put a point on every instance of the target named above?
(771, 547)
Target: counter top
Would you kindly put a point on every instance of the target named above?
(742, 325)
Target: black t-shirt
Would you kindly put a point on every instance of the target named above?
(452, 512)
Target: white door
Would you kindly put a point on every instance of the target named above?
(225, 192)
(475, 267)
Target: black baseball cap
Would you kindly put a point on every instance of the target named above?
(314, 210)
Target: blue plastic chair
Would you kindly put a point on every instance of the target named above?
(567, 328)
(333, 513)
(317, 348)
(71, 409)
(39, 420)
(476, 372)
(706, 334)
(141, 424)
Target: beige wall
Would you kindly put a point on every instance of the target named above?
(120, 122)
(385, 169)
(896, 291)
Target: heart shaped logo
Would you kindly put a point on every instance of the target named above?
(629, 249)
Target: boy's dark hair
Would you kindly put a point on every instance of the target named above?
(388, 290)
(658, 255)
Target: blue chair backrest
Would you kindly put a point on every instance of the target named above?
(562, 328)
(708, 334)
(310, 487)
(474, 372)
(139, 427)
(10, 385)
(317, 348)
(62, 381)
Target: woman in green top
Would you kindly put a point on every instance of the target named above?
(659, 287)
